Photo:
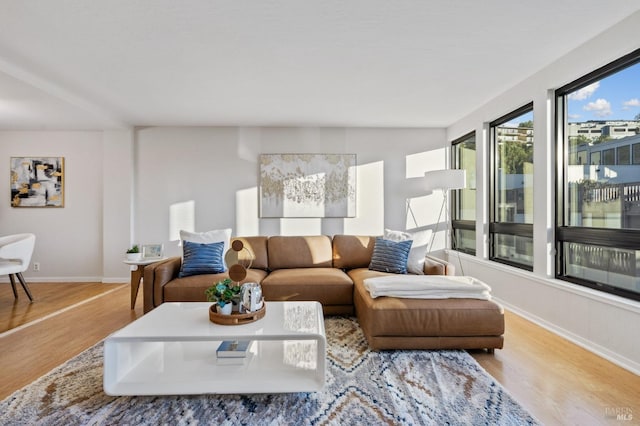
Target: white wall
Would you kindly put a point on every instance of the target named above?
(68, 239)
(120, 187)
(117, 208)
(214, 170)
(603, 323)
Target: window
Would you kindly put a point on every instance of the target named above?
(636, 153)
(463, 220)
(582, 157)
(511, 218)
(598, 218)
(609, 157)
(624, 154)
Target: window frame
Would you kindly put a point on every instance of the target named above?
(504, 228)
(458, 224)
(622, 238)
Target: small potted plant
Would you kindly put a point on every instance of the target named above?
(224, 294)
(133, 253)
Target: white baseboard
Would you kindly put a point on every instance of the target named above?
(5, 279)
(116, 280)
(599, 350)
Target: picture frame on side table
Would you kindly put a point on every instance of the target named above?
(152, 251)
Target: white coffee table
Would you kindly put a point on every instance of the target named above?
(172, 351)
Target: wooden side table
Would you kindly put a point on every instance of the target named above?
(137, 273)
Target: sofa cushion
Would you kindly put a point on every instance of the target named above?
(390, 256)
(329, 286)
(352, 251)
(299, 252)
(191, 289)
(199, 258)
(257, 246)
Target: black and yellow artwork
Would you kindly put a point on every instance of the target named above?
(37, 181)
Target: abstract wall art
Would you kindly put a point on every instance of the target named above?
(37, 181)
(307, 185)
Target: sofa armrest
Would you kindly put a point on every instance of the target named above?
(435, 266)
(156, 275)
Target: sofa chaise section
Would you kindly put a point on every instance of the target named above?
(395, 323)
(399, 323)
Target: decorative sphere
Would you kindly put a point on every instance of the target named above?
(238, 258)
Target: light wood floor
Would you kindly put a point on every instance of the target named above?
(557, 381)
(51, 298)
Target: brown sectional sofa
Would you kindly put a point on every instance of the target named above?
(332, 271)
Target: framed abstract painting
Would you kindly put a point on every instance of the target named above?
(307, 185)
(37, 181)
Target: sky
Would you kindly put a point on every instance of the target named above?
(514, 122)
(616, 97)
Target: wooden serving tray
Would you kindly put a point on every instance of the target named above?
(236, 318)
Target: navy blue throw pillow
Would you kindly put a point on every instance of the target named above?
(199, 258)
(390, 256)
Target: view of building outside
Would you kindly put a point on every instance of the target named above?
(464, 200)
(602, 175)
(513, 189)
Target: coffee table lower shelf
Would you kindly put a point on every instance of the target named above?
(184, 368)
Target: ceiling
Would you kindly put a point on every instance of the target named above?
(77, 64)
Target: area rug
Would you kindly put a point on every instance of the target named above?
(363, 387)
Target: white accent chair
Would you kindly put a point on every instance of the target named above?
(15, 255)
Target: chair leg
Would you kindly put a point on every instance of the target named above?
(13, 286)
(24, 285)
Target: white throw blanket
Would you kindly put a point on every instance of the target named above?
(428, 287)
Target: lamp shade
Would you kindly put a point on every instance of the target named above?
(446, 179)
(415, 187)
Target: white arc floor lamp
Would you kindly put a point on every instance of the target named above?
(444, 180)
